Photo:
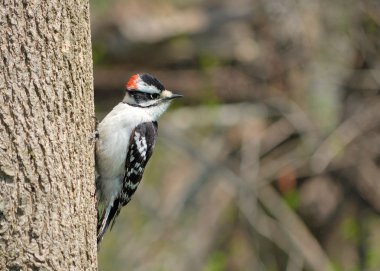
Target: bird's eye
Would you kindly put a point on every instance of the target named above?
(154, 95)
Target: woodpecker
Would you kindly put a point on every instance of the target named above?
(125, 142)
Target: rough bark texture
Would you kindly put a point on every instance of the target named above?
(47, 207)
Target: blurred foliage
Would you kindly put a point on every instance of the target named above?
(217, 262)
(351, 229)
(271, 161)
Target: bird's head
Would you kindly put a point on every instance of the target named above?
(144, 90)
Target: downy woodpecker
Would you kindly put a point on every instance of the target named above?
(125, 142)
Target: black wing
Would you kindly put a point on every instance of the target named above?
(140, 150)
(141, 144)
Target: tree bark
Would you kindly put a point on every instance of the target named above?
(47, 205)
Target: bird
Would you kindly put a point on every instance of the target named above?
(125, 140)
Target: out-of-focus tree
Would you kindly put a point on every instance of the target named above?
(284, 181)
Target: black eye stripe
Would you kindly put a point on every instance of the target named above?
(154, 95)
(139, 95)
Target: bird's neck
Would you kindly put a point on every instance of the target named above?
(155, 112)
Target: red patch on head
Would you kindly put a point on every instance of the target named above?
(132, 83)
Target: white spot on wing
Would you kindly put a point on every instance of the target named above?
(134, 186)
(140, 144)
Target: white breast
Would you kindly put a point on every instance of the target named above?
(114, 133)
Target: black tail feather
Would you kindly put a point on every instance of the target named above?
(108, 216)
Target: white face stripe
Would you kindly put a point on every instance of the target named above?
(148, 103)
(142, 86)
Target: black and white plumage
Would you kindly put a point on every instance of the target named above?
(127, 136)
(140, 150)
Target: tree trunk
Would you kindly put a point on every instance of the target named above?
(47, 205)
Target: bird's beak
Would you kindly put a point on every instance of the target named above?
(168, 95)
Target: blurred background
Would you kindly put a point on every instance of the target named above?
(272, 159)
